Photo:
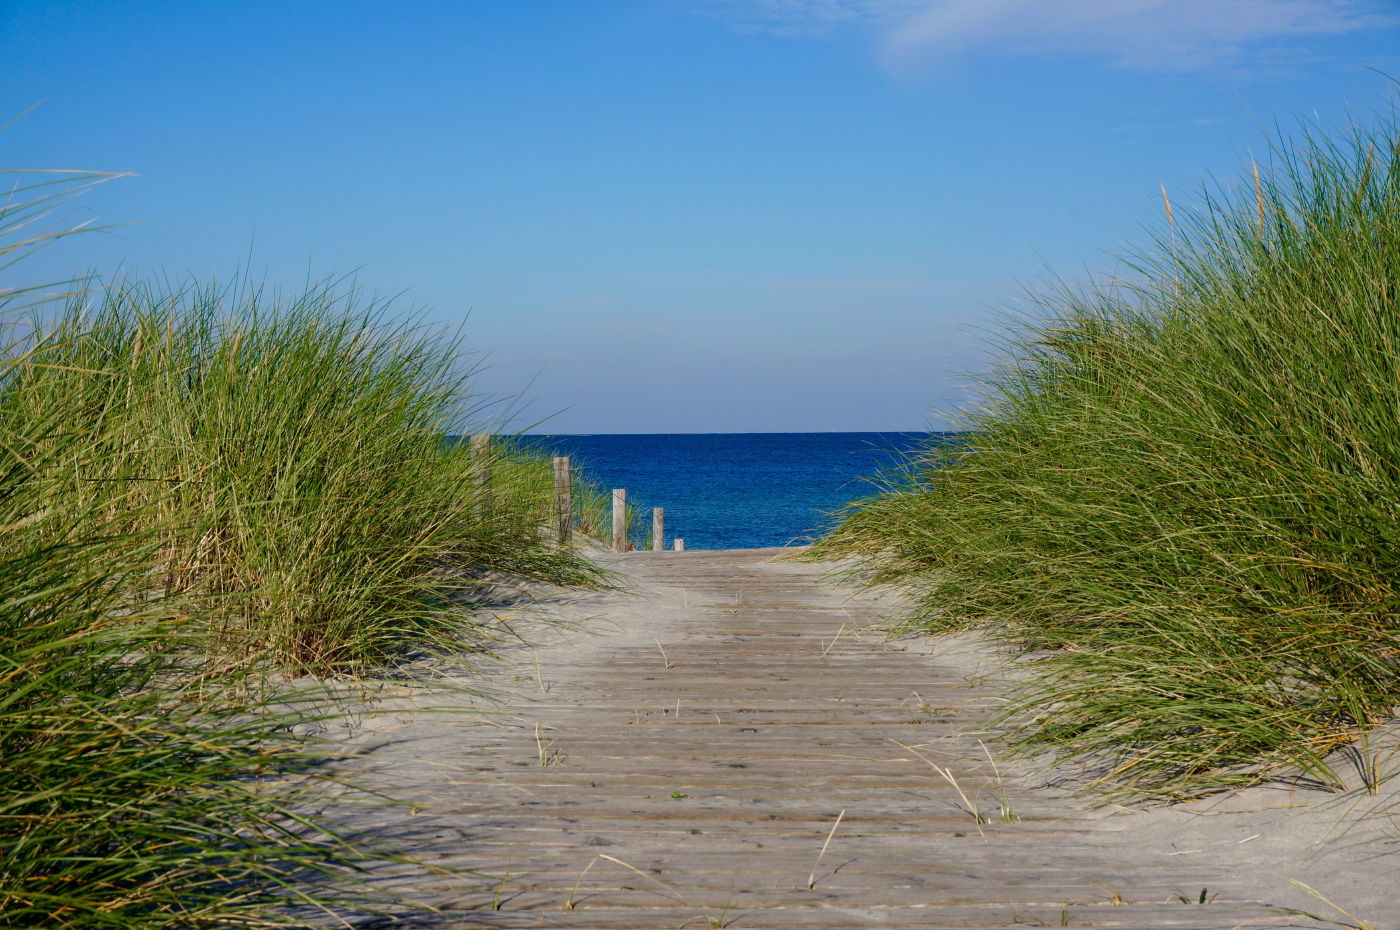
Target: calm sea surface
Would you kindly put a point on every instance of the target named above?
(737, 490)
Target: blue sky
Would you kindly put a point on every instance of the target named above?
(671, 215)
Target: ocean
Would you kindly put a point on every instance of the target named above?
(737, 490)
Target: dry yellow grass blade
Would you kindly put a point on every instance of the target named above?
(570, 904)
(812, 878)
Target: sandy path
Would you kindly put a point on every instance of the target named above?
(684, 760)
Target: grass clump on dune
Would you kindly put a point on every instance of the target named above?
(1181, 496)
(292, 455)
(141, 786)
(133, 796)
(203, 492)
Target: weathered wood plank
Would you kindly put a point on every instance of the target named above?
(707, 741)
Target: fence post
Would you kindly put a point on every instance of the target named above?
(563, 499)
(619, 515)
(481, 475)
(680, 545)
(658, 529)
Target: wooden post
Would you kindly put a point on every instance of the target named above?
(481, 475)
(563, 499)
(680, 545)
(658, 529)
(619, 533)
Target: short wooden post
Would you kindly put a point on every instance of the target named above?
(658, 529)
(619, 514)
(563, 499)
(481, 475)
(680, 545)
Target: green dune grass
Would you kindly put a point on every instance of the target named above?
(291, 455)
(1180, 495)
(204, 493)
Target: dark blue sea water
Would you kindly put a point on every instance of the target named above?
(737, 490)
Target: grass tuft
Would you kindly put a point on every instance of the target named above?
(205, 492)
(291, 456)
(1179, 496)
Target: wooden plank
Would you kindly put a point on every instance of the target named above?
(658, 529)
(707, 740)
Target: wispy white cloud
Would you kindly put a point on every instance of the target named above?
(1171, 35)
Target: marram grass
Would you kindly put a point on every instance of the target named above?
(202, 492)
(291, 456)
(137, 790)
(1181, 498)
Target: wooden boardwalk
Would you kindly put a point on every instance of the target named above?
(740, 754)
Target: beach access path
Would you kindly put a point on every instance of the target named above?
(730, 741)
